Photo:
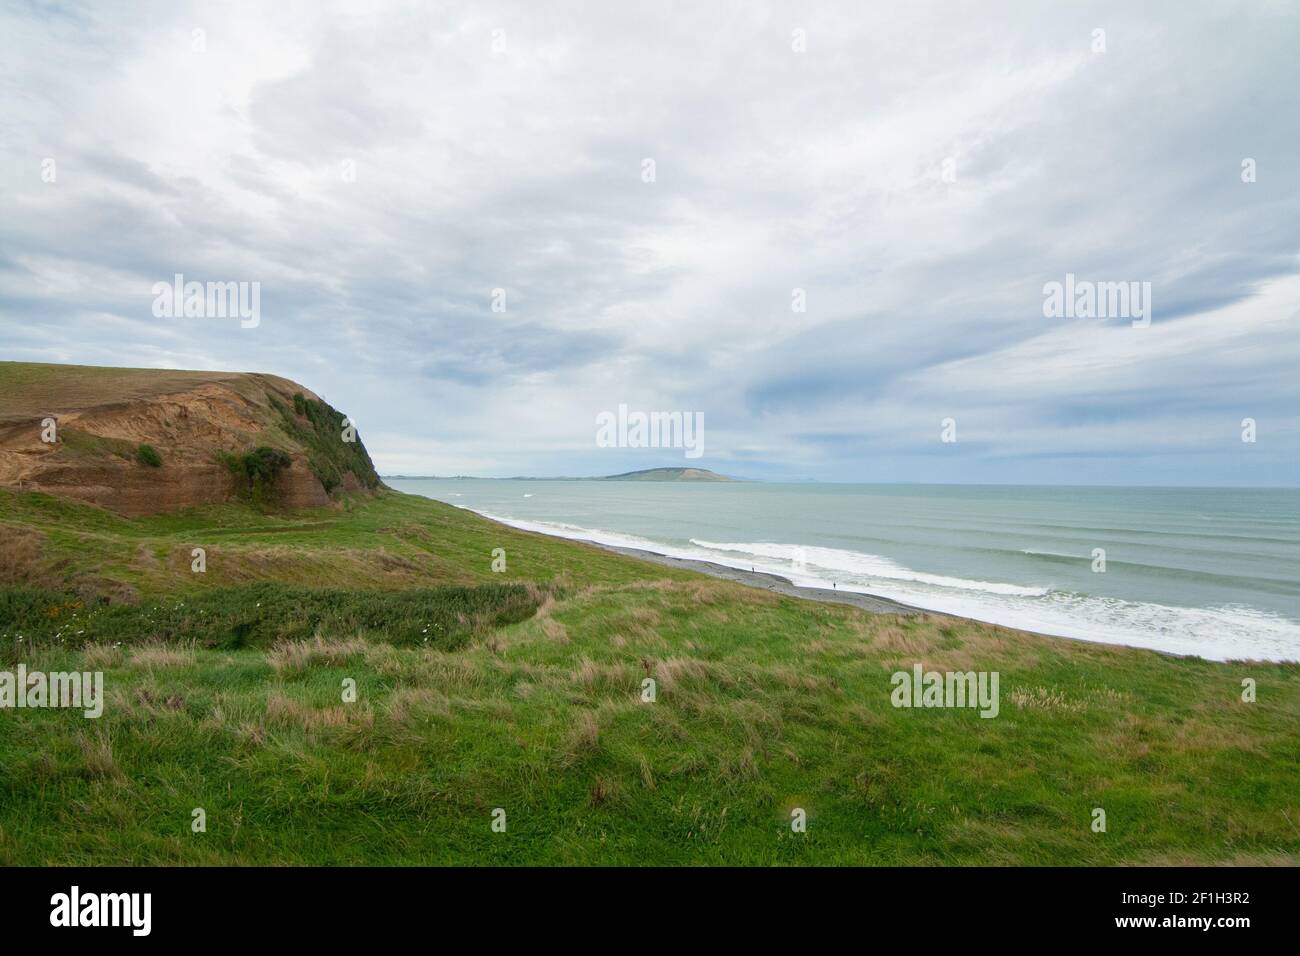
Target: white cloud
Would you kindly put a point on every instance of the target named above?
(822, 170)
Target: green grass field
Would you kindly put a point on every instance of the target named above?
(33, 389)
(522, 691)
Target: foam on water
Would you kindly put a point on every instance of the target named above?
(863, 565)
(1230, 632)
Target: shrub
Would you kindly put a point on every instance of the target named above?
(256, 470)
(269, 614)
(329, 457)
(148, 455)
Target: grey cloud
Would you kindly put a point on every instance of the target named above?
(775, 170)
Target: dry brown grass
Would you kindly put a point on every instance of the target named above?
(157, 654)
(591, 676)
(154, 704)
(662, 586)
(102, 656)
(551, 629)
(943, 643)
(677, 672)
(1045, 698)
(294, 657)
(795, 679)
(902, 642)
(20, 555)
(1131, 738)
(286, 711)
(406, 704)
(335, 567)
(639, 624)
(584, 738)
(698, 591)
(97, 758)
(554, 630)
(647, 774)
(445, 672)
(252, 733)
(1208, 735)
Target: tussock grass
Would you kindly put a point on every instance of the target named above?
(97, 758)
(229, 697)
(284, 710)
(157, 654)
(102, 656)
(294, 657)
(407, 704)
(20, 555)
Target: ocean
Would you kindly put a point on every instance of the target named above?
(1213, 572)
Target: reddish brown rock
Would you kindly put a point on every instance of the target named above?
(103, 415)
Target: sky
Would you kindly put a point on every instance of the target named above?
(476, 227)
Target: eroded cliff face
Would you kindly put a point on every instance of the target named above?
(202, 425)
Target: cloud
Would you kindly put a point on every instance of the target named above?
(919, 173)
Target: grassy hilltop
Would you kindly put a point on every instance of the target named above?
(521, 689)
(143, 441)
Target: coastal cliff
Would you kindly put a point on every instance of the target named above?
(145, 441)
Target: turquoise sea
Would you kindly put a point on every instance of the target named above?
(1208, 571)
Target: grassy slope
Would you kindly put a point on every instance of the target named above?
(33, 388)
(764, 704)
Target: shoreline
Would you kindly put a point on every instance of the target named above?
(870, 603)
(767, 581)
(764, 580)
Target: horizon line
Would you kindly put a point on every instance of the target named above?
(821, 481)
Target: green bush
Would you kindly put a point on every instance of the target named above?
(148, 455)
(256, 471)
(330, 458)
(259, 615)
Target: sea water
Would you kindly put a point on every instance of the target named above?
(1213, 572)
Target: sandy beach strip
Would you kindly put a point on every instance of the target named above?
(770, 582)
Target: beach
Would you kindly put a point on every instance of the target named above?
(1212, 573)
(771, 582)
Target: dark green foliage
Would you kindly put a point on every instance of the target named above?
(30, 608)
(328, 455)
(256, 471)
(259, 615)
(148, 455)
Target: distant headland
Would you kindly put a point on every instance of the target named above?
(646, 474)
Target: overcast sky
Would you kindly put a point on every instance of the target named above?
(919, 170)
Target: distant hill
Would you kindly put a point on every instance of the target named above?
(142, 441)
(668, 474)
(647, 474)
